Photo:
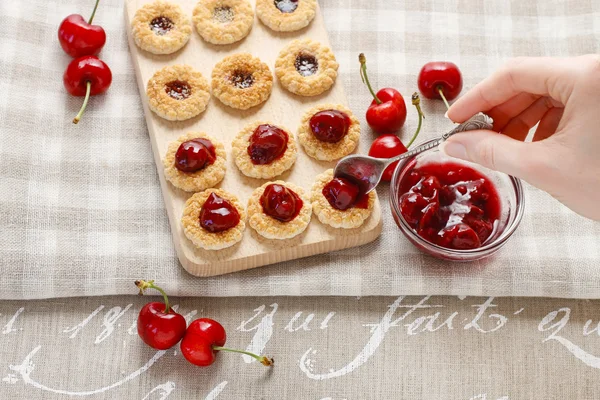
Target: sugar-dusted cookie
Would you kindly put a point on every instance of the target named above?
(286, 15)
(242, 81)
(264, 150)
(329, 132)
(330, 202)
(177, 92)
(306, 67)
(279, 210)
(213, 219)
(194, 162)
(161, 27)
(223, 21)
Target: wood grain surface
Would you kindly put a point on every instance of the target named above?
(218, 120)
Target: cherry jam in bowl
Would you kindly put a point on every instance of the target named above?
(453, 209)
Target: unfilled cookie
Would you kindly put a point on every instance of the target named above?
(223, 21)
(323, 150)
(177, 92)
(161, 27)
(201, 179)
(242, 81)
(306, 67)
(286, 15)
(272, 228)
(347, 219)
(203, 238)
(250, 158)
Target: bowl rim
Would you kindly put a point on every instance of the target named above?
(408, 230)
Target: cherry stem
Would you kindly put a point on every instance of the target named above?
(266, 361)
(441, 92)
(364, 76)
(88, 90)
(143, 285)
(416, 101)
(94, 12)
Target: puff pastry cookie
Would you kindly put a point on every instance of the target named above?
(306, 67)
(350, 218)
(213, 219)
(279, 210)
(329, 132)
(161, 27)
(286, 15)
(194, 162)
(242, 81)
(223, 21)
(264, 150)
(177, 92)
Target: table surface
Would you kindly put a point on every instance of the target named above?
(324, 348)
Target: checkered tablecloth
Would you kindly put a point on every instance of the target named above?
(81, 211)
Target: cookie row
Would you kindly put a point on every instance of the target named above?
(163, 27)
(215, 219)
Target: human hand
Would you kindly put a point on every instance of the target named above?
(563, 96)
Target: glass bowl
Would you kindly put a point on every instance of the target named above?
(509, 189)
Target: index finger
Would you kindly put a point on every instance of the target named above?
(535, 75)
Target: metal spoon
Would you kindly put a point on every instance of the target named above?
(368, 170)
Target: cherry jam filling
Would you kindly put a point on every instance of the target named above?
(242, 79)
(286, 6)
(343, 193)
(218, 215)
(330, 125)
(223, 14)
(281, 203)
(194, 155)
(267, 144)
(306, 64)
(161, 25)
(450, 205)
(179, 90)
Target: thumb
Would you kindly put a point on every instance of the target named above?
(500, 153)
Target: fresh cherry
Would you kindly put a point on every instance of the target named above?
(204, 338)
(267, 144)
(440, 80)
(281, 203)
(79, 37)
(389, 145)
(342, 194)
(158, 325)
(387, 112)
(194, 155)
(218, 215)
(86, 76)
(330, 125)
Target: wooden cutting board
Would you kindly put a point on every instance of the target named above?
(223, 122)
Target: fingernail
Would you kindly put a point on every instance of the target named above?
(455, 150)
(446, 115)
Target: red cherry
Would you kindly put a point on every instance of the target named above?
(218, 215)
(194, 155)
(431, 217)
(330, 125)
(281, 203)
(429, 187)
(204, 338)
(342, 194)
(267, 144)
(78, 38)
(86, 76)
(459, 237)
(412, 206)
(440, 80)
(158, 325)
(387, 146)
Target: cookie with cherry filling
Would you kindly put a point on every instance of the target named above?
(223, 21)
(286, 15)
(161, 27)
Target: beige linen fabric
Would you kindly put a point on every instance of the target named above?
(354, 349)
(81, 211)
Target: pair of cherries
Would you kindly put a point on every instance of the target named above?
(86, 75)
(162, 328)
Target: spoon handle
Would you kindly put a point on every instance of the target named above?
(478, 121)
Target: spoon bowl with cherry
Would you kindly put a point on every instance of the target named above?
(367, 171)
